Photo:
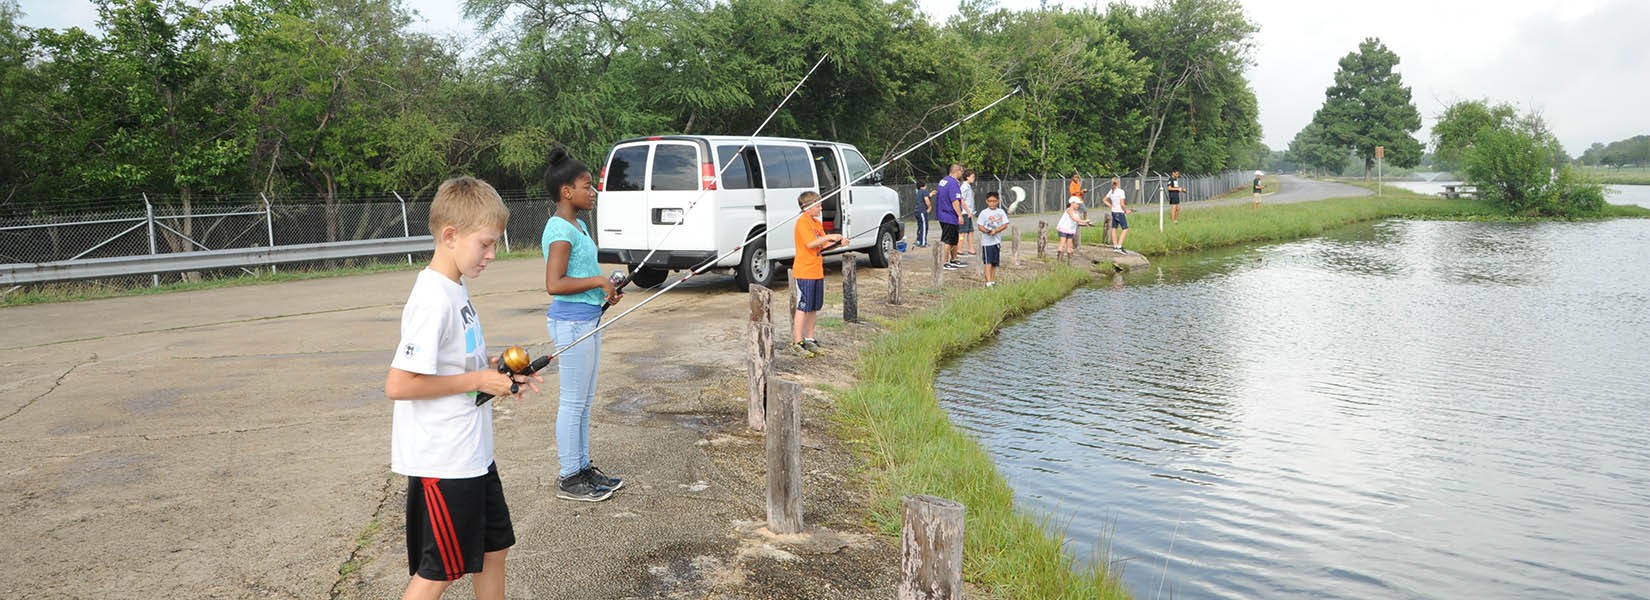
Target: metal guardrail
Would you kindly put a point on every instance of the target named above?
(93, 268)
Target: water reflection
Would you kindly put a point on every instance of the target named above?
(1410, 409)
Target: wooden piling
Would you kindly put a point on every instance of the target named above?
(760, 347)
(850, 287)
(896, 278)
(931, 548)
(1042, 239)
(939, 271)
(784, 455)
(1014, 244)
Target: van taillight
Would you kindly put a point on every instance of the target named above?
(707, 176)
(601, 186)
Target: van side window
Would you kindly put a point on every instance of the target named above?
(786, 166)
(744, 173)
(624, 170)
(858, 169)
(675, 167)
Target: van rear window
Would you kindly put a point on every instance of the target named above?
(624, 170)
(675, 167)
(745, 173)
(786, 166)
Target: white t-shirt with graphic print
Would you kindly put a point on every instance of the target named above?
(447, 437)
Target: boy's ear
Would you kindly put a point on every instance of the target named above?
(448, 236)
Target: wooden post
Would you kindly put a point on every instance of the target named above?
(1014, 251)
(784, 453)
(931, 548)
(761, 355)
(896, 278)
(939, 271)
(850, 287)
(1042, 239)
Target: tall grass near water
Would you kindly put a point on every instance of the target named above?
(894, 417)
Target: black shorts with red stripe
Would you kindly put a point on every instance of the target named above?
(451, 523)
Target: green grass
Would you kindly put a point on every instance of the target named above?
(70, 291)
(1205, 228)
(1622, 176)
(891, 415)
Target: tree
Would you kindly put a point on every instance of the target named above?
(1196, 51)
(1515, 160)
(1369, 106)
(1311, 149)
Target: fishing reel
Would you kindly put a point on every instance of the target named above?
(619, 280)
(514, 361)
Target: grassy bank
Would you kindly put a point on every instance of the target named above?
(1206, 228)
(1623, 176)
(892, 415)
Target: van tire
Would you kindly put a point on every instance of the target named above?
(884, 246)
(754, 266)
(647, 278)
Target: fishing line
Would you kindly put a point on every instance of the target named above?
(736, 154)
(708, 264)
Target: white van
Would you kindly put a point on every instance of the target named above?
(648, 183)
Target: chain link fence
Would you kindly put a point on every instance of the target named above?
(160, 224)
(1048, 194)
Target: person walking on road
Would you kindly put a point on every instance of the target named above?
(1259, 187)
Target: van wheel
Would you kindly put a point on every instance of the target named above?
(754, 266)
(647, 278)
(884, 246)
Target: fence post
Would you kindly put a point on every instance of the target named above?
(939, 273)
(269, 225)
(405, 231)
(896, 278)
(761, 355)
(1042, 239)
(784, 456)
(1014, 235)
(850, 287)
(931, 547)
(149, 213)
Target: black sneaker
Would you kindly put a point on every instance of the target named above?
(812, 346)
(599, 478)
(580, 488)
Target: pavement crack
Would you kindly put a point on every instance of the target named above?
(352, 565)
(55, 384)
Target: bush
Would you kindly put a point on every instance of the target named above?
(1515, 162)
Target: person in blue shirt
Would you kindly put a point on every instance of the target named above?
(946, 207)
(574, 280)
(925, 205)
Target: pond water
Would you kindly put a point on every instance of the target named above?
(1398, 410)
(1617, 194)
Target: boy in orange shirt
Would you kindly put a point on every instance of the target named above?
(809, 272)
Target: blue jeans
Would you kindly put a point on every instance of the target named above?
(922, 229)
(577, 368)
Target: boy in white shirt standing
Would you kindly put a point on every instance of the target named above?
(991, 224)
(441, 437)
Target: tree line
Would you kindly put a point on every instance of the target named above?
(332, 98)
(1631, 151)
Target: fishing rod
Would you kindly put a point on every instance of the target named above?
(740, 247)
(735, 156)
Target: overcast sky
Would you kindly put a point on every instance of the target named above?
(1584, 64)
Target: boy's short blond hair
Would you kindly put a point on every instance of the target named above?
(467, 204)
(806, 198)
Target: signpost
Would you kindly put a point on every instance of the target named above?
(1380, 153)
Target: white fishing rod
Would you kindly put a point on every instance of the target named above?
(705, 188)
(712, 262)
